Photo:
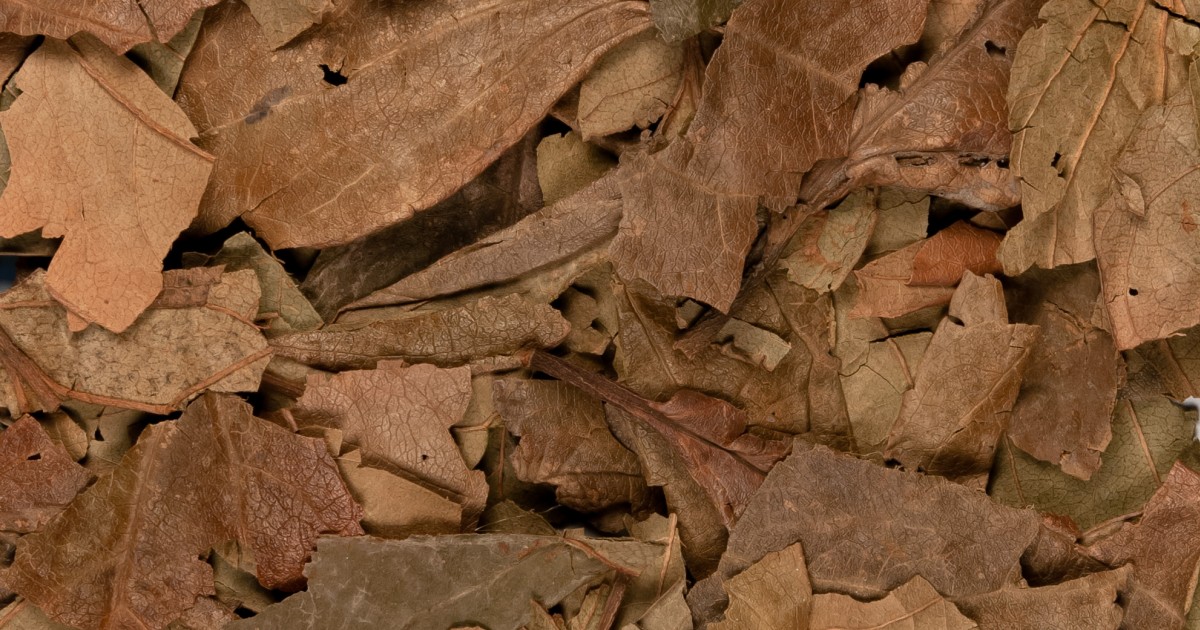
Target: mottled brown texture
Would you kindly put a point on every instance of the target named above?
(118, 23)
(979, 301)
(127, 552)
(633, 86)
(830, 243)
(83, 134)
(913, 605)
(1092, 602)
(875, 388)
(1126, 55)
(166, 358)
(773, 594)
(448, 337)
(37, 477)
(565, 442)
(1164, 549)
(400, 418)
(883, 289)
(1146, 241)
(386, 145)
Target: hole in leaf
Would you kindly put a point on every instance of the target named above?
(1054, 161)
(994, 50)
(34, 457)
(424, 457)
(333, 77)
(97, 436)
(1133, 291)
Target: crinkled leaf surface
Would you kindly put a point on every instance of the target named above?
(37, 477)
(773, 594)
(1086, 603)
(380, 158)
(199, 334)
(914, 604)
(680, 19)
(103, 158)
(118, 23)
(127, 552)
(632, 86)
(282, 20)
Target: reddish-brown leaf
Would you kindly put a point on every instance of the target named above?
(37, 477)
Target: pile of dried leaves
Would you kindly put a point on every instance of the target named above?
(599, 314)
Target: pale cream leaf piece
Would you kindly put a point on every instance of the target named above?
(157, 365)
(381, 159)
(903, 220)
(914, 605)
(680, 19)
(773, 594)
(632, 86)
(394, 507)
(86, 129)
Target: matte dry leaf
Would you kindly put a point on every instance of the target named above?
(394, 507)
(565, 442)
(680, 19)
(127, 552)
(86, 130)
(979, 301)
(914, 605)
(1092, 602)
(400, 418)
(434, 582)
(942, 258)
(448, 337)
(282, 20)
(689, 211)
(274, 113)
(1145, 233)
(118, 23)
(883, 289)
(198, 335)
(830, 243)
(566, 164)
(37, 477)
(875, 390)
(1128, 55)
(773, 594)
(632, 86)
(1164, 549)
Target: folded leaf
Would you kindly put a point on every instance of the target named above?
(116, 558)
(37, 477)
(829, 244)
(83, 132)
(277, 116)
(118, 23)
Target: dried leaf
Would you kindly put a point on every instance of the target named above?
(283, 20)
(772, 594)
(169, 356)
(118, 23)
(632, 86)
(680, 19)
(37, 477)
(883, 289)
(963, 392)
(1146, 251)
(829, 243)
(435, 582)
(448, 337)
(400, 418)
(875, 389)
(394, 507)
(914, 604)
(1164, 549)
(117, 558)
(163, 61)
(1092, 602)
(903, 220)
(566, 164)
(565, 442)
(942, 259)
(275, 113)
(82, 132)
(979, 301)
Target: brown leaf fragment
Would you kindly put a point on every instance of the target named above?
(1128, 55)
(903, 220)
(116, 557)
(1164, 549)
(693, 445)
(167, 357)
(1144, 231)
(884, 289)
(37, 477)
(1092, 602)
(867, 529)
(435, 582)
(979, 301)
(829, 243)
(394, 507)
(632, 86)
(566, 164)
(942, 258)
(118, 23)
(400, 418)
(86, 126)
(680, 19)
(1070, 388)
(452, 336)
(875, 390)
(163, 61)
(963, 391)
(914, 604)
(565, 442)
(275, 114)
(773, 594)
(283, 20)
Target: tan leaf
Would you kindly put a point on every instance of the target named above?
(963, 391)
(913, 605)
(680, 19)
(829, 244)
(118, 23)
(1146, 250)
(282, 20)
(163, 61)
(167, 357)
(979, 301)
(275, 114)
(565, 442)
(449, 337)
(37, 477)
(1092, 602)
(1164, 549)
(1128, 55)
(394, 507)
(632, 86)
(875, 389)
(566, 164)
(689, 210)
(773, 594)
(903, 220)
(1070, 387)
(400, 418)
(883, 289)
(86, 126)
(115, 558)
